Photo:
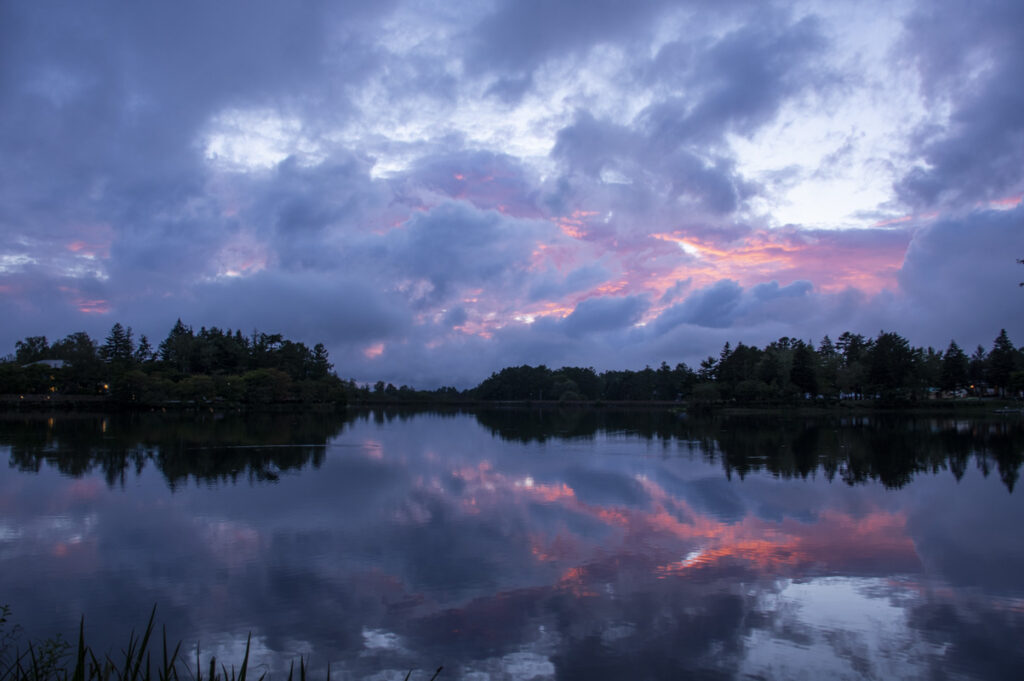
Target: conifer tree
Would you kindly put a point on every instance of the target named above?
(954, 368)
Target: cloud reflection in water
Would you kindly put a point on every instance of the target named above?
(429, 539)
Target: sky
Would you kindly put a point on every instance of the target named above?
(439, 189)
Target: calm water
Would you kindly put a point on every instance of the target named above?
(528, 545)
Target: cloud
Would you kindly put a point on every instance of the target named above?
(455, 245)
(961, 274)
(519, 36)
(967, 54)
(737, 82)
(459, 189)
(712, 306)
(605, 314)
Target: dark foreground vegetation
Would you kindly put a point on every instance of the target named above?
(54, 659)
(225, 368)
(885, 369)
(204, 368)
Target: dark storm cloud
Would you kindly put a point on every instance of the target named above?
(338, 172)
(970, 55)
(33, 302)
(605, 314)
(965, 269)
(520, 35)
(105, 104)
(714, 306)
(115, 94)
(483, 178)
(733, 84)
(307, 214)
(674, 292)
(593, 147)
(736, 83)
(308, 306)
(456, 245)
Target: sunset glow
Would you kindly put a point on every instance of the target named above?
(469, 190)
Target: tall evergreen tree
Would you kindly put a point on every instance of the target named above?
(829, 361)
(954, 368)
(118, 347)
(1001, 361)
(144, 352)
(803, 374)
(176, 349)
(707, 369)
(852, 346)
(977, 368)
(890, 364)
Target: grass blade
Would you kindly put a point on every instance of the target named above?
(245, 659)
(142, 647)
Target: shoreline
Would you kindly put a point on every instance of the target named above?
(36, 403)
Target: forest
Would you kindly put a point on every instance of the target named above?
(884, 369)
(211, 366)
(214, 366)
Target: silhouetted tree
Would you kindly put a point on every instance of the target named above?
(890, 365)
(84, 371)
(707, 369)
(118, 347)
(320, 365)
(803, 374)
(176, 349)
(1001, 361)
(144, 352)
(829, 361)
(954, 368)
(32, 349)
(852, 346)
(977, 369)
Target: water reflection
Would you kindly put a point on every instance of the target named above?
(890, 449)
(886, 447)
(205, 447)
(596, 546)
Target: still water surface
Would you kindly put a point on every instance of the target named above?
(528, 545)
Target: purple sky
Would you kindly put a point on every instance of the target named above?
(439, 189)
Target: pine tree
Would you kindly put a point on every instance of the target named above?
(1001, 361)
(144, 352)
(977, 369)
(118, 346)
(176, 349)
(954, 368)
(803, 373)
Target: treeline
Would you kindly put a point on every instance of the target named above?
(204, 367)
(885, 368)
(218, 366)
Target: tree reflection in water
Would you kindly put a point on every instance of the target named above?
(531, 543)
(886, 448)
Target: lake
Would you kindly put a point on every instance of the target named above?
(527, 544)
